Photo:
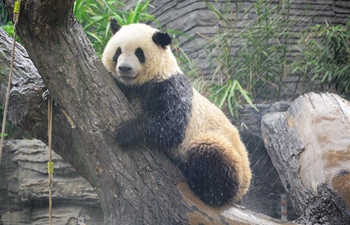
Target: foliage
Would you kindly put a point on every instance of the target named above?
(3, 14)
(260, 51)
(94, 15)
(10, 30)
(186, 64)
(226, 94)
(5, 22)
(261, 60)
(325, 56)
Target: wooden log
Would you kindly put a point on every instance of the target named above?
(310, 147)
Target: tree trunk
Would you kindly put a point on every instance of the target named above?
(135, 187)
(86, 95)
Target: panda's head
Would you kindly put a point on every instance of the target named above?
(138, 53)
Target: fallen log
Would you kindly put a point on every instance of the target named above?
(310, 147)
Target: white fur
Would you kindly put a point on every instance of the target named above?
(160, 63)
(207, 124)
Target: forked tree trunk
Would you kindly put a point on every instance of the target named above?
(132, 186)
(135, 187)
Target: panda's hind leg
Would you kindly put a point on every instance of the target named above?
(212, 168)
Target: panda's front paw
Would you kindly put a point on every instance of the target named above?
(125, 136)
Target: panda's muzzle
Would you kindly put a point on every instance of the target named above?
(126, 72)
(124, 69)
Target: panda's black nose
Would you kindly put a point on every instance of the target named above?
(124, 68)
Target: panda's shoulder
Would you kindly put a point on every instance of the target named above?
(170, 94)
(174, 85)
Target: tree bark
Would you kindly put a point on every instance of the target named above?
(309, 146)
(131, 190)
(135, 187)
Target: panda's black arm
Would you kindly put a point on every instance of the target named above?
(166, 112)
(148, 131)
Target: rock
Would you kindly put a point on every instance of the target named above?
(251, 118)
(310, 147)
(24, 188)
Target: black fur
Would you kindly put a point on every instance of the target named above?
(166, 109)
(140, 55)
(117, 54)
(114, 25)
(209, 174)
(162, 39)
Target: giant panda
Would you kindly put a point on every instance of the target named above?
(173, 117)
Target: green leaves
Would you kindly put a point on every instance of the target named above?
(324, 56)
(136, 15)
(94, 15)
(248, 58)
(227, 94)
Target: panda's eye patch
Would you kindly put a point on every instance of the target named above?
(140, 55)
(117, 54)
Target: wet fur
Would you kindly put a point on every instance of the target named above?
(166, 110)
(173, 117)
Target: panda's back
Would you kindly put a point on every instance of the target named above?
(208, 126)
(207, 118)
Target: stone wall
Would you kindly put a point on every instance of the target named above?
(24, 188)
(194, 19)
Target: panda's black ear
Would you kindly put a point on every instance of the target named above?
(161, 39)
(114, 25)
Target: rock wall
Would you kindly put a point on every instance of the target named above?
(196, 21)
(24, 188)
